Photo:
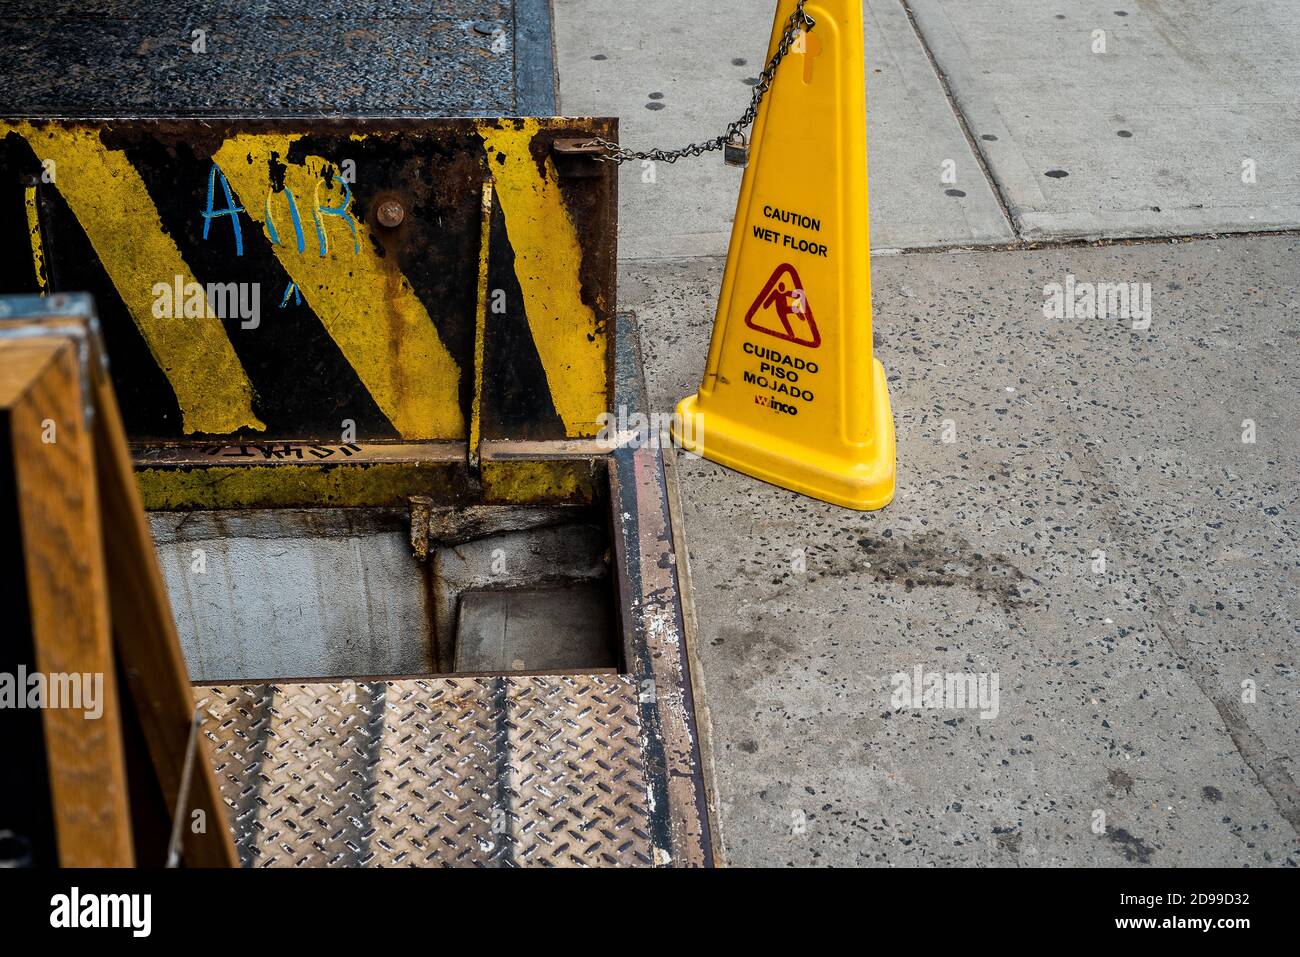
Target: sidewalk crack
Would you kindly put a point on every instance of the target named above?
(971, 142)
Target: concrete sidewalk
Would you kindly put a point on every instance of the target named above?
(1155, 691)
(1120, 689)
(1174, 117)
(1108, 118)
(676, 73)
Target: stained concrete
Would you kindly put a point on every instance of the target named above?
(1120, 690)
(557, 557)
(540, 629)
(284, 593)
(676, 72)
(1146, 138)
(268, 594)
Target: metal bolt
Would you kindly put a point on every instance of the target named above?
(390, 213)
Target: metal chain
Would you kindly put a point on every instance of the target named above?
(799, 22)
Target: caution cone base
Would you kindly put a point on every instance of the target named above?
(863, 482)
(791, 392)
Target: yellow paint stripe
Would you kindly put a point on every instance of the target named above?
(480, 325)
(113, 206)
(34, 231)
(548, 264)
(387, 337)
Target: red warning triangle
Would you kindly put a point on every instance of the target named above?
(782, 309)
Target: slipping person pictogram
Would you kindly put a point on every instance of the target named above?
(784, 295)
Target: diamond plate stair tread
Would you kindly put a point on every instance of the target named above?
(426, 772)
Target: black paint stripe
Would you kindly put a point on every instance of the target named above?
(517, 403)
(438, 181)
(16, 265)
(144, 394)
(303, 386)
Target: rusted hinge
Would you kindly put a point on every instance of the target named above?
(576, 157)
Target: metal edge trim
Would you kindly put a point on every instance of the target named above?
(690, 641)
(536, 87)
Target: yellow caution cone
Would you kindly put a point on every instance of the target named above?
(791, 393)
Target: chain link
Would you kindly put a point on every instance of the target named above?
(799, 23)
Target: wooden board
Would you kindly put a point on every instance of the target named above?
(95, 586)
(53, 459)
(148, 646)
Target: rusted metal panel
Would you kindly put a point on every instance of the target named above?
(332, 474)
(493, 770)
(250, 288)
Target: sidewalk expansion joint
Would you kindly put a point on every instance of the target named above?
(961, 119)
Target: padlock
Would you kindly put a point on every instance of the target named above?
(735, 152)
